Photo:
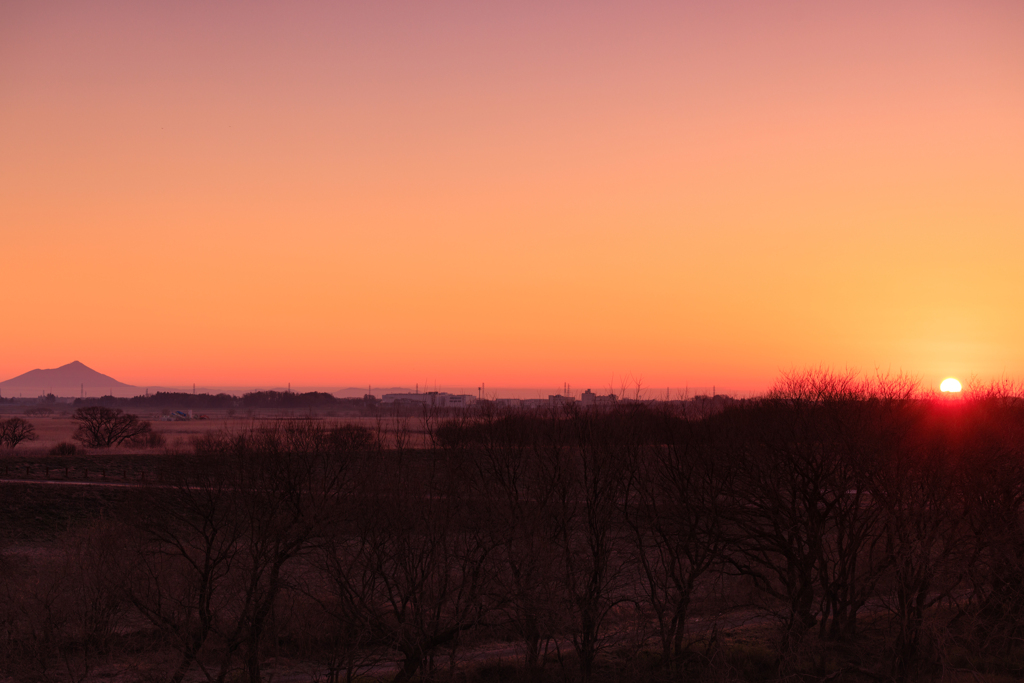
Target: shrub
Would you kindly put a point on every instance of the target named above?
(64, 448)
(39, 411)
(351, 437)
(148, 439)
(753, 662)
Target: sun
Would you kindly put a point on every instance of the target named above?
(950, 385)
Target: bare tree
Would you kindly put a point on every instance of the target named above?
(100, 427)
(674, 490)
(15, 430)
(212, 549)
(289, 479)
(995, 504)
(590, 476)
(791, 478)
(182, 557)
(411, 566)
(854, 558)
(521, 493)
(778, 516)
(62, 612)
(920, 483)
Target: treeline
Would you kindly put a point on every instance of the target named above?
(833, 510)
(256, 400)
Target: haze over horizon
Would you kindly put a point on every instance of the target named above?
(76, 379)
(685, 194)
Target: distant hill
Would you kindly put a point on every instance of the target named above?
(67, 380)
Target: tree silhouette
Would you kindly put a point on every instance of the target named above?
(15, 430)
(100, 427)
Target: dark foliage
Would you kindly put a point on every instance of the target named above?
(287, 400)
(147, 439)
(163, 400)
(261, 400)
(39, 410)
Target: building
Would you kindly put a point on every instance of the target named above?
(590, 399)
(459, 400)
(557, 401)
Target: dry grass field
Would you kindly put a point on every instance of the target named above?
(60, 428)
(52, 430)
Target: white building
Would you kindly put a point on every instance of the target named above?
(459, 400)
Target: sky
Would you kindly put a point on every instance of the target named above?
(521, 194)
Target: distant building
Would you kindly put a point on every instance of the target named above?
(589, 399)
(508, 403)
(459, 400)
(557, 401)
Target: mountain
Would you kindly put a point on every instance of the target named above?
(67, 380)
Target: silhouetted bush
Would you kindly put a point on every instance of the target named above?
(288, 400)
(350, 437)
(39, 411)
(64, 448)
(148, 439)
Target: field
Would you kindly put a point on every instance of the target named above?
(60, 428)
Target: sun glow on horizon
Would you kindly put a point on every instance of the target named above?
(950, 386)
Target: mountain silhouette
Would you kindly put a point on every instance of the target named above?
(72, 378)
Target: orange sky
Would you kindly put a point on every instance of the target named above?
(515, 193)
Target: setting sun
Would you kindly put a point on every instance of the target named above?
(950, 385)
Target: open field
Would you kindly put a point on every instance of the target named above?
(60, 428)
(35, 515)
